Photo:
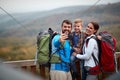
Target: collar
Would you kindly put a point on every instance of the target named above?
(90, 36)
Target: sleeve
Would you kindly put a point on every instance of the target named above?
(65, 54)
(56, 41)
(88, 50)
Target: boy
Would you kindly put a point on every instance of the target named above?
(76, 43)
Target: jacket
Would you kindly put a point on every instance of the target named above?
(91, 48)
(64, 54)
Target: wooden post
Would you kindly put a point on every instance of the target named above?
(42, 71)
(118, 61)
(78, 69)
(24, 67)
(33, 69)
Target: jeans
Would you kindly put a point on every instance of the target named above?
(74, 69)
(84, 72)
(73, 66)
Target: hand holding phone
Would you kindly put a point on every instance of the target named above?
(63, 37)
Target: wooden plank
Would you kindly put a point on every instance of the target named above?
(21, 62)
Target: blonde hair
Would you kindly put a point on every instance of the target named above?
(78, 21)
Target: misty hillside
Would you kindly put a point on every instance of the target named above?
(33, 22)
(18, 36)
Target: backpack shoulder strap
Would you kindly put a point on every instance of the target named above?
(89, 39)
(95, 59)
(99, 49)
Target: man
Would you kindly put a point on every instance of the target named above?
(61, 71)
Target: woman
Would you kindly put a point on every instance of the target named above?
(90, 48)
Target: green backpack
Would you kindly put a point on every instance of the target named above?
(44, 41)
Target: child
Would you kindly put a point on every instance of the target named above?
(90, 50)
(76, 43)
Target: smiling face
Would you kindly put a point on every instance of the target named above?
(66, 27)
(90, 29)
(77, 27)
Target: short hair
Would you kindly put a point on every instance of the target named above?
(67, 22)
(78, 21)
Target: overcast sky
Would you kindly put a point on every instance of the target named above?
(41, 5)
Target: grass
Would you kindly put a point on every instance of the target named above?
(22, 48)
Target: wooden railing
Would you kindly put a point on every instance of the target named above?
(29, 65)
(42, 70)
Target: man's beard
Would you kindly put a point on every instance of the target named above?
(66, 32)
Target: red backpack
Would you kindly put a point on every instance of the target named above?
(107, 54)
(107, 61)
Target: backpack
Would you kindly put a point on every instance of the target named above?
(107, 56)
(44, 45)
(107, 46)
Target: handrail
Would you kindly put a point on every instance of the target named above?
(21, 62)
(42, 69)
(32, 61)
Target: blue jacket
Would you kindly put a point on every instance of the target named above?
(64, 53)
